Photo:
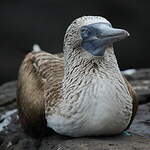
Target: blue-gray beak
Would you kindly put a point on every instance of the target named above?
(98, 36)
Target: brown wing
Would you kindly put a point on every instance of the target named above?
(52, 74)
(33, 77)
(135, 101)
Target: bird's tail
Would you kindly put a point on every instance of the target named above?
(36, 48)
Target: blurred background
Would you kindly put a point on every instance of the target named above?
(24, 23)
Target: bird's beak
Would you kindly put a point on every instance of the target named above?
(110, 34)
(104, 35)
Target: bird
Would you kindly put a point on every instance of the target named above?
(80, 92)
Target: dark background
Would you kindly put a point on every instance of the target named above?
(23, 23)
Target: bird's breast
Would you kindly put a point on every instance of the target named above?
(109, 107)
(103, 107)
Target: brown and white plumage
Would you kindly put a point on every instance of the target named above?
(34, 85)
(78, 94)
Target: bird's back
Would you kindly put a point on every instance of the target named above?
(39, 72)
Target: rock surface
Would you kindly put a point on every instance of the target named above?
(8, 93)
(12, 136)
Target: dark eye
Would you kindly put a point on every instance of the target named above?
(84, 32)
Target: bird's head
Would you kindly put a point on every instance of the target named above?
(93, 34)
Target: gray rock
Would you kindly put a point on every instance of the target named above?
(140, 74)
(141, 123)
(7, 93)
(140, 80)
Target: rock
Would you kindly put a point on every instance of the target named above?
(7, 93)
(140, 74)
(140, 80)
(27, 144)
(142, 87)
(13, 136)
(96, 143)
(141, 123)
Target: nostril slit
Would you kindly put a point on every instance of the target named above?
(98, 36)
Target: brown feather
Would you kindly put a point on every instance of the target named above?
(135, 101)
(30, 93)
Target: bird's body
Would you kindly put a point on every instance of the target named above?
(91, 91)
(82, 94)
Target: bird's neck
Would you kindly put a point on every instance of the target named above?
(83, 68)
(78, 64)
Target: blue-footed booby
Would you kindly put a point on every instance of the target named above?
(82, 93)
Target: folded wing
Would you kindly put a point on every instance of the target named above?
(134, 102)
(40, 74)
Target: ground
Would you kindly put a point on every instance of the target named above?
(12, 136)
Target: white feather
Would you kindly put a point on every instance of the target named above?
(36, 48)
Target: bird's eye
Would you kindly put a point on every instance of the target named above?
(84, 32)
